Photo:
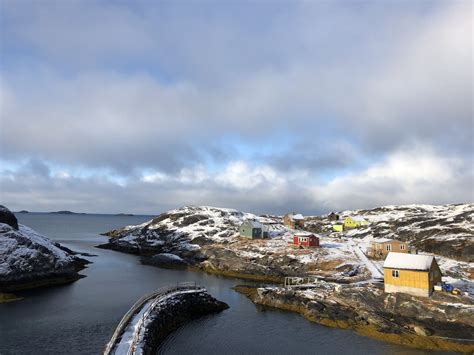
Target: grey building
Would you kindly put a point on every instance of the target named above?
(252, 229)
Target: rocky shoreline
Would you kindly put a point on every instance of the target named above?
(207, 239)
(412, 322)
(8, 297)
(369, 313)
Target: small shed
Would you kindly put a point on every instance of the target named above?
(412, 274)
(337, 227)
(355, 222)
(293, 220)
(333, 217)
(252, 229)
(306, 240)
(379, 248)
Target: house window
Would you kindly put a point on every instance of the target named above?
(402, 246)
(388, 247)
(395, 273)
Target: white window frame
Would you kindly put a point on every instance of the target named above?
(396, 273)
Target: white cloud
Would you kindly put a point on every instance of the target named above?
(150, 99)
(240, 176)
(63, 175)
(155, 177)
(416, 175)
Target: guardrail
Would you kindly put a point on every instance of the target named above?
(294, 281)
(158, 294)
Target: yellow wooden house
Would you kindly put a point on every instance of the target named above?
(355, 222)
(411, 273)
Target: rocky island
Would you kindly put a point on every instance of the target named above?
(348, 292)
(29, 259)
(66, 212)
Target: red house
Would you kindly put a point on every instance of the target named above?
(306, 240)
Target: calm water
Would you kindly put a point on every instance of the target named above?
(80, 318)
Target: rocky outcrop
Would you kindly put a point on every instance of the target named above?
(207, 238)
(172, 313)
(437, 323)
(180, 232)
(29, 260)
(446, 230)
(165, 260)
(7, 217)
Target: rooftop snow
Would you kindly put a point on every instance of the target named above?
(408, 261)
(298, 216)
(382, 240)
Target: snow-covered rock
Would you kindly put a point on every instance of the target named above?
(208, 238)
(165, 260)
(185, 230)
(29, 259)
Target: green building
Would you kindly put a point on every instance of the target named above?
(252, 229)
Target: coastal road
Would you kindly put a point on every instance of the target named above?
(377, 274)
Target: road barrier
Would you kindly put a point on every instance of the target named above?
(158, 295)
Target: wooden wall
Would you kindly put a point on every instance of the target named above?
(410, 278)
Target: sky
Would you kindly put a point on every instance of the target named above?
(263, 106)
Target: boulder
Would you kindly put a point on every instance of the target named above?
(165, 260)
(7, 217)
(421, 331)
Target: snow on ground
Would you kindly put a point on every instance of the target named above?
(127, 337)
(457, 273)
(371, 266)
(463, 284)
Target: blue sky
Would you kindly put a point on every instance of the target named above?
(268, 107)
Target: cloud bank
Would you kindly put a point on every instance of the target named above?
(265, 107)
